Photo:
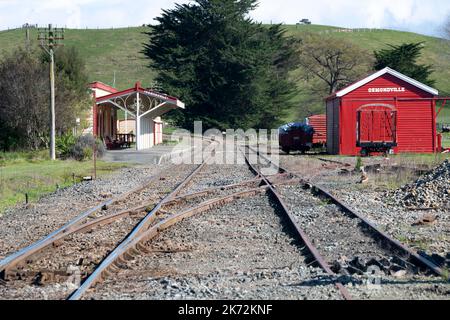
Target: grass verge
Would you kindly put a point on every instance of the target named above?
(32, 174)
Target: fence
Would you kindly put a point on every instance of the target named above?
(35, 26)
(350, 30)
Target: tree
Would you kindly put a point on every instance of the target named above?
(24, 115)
(24, 86)
(403, 58)
(230, 71)
(72, 98)
(335, 62)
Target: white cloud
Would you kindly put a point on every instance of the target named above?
(402, 14)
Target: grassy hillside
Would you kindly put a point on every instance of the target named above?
(109, 50)
(105, 51)
(436, 52)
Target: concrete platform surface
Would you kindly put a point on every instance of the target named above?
(156, 155)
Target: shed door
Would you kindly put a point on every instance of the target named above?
(376, 124)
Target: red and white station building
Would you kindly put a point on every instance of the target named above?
(144, 106)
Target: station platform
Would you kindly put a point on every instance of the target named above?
(156, 155)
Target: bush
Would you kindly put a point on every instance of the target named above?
(82, 149)
(359, 164)
(64, 145)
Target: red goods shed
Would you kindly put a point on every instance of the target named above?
(319, 123)
(385, 111)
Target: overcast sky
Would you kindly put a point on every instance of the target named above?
(422, 16)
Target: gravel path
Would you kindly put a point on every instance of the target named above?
(240, 251)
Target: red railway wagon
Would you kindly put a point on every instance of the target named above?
(295, 137)
(319, 123)
(386, 111)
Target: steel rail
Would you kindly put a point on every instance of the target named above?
(204, 192)
(300, 233)
(74, 230)
(134, 244)
(24, 253)
(334, 161)
(412, 255)
(281, 180)
(121, 214)
(143, 225)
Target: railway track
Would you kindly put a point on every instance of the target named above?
(129, 231)
(218, 199)
(264, 186)
(86, 239)
(180, 204)
(100, 240)
(332, 221)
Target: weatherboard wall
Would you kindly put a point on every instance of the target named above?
(415, 117)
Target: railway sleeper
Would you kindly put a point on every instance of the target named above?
(40, 277)
(410, 263)
(143, 248)
(399, 261)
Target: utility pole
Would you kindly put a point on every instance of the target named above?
(51, 38)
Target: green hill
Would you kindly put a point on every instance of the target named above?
(109, 50)
(436, 52)
(105, 51)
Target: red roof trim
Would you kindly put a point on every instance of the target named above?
(102, 86)
(350, 88)
(136, 89)
(116, 94)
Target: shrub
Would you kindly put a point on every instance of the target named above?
(359, 164)
(82, 149)
(64, 145)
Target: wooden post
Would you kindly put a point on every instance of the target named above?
(94, 156)
(138, 122)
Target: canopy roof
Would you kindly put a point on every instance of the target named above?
(140, 102)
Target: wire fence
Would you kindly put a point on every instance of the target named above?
(335, 30)
(350, 30)
(35, 26)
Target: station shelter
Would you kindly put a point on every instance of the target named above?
(144, 106)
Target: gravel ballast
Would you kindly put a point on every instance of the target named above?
(239, 251)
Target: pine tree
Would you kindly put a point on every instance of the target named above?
(403, 58)
(230, 71)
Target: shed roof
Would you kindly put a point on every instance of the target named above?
(380, 73)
